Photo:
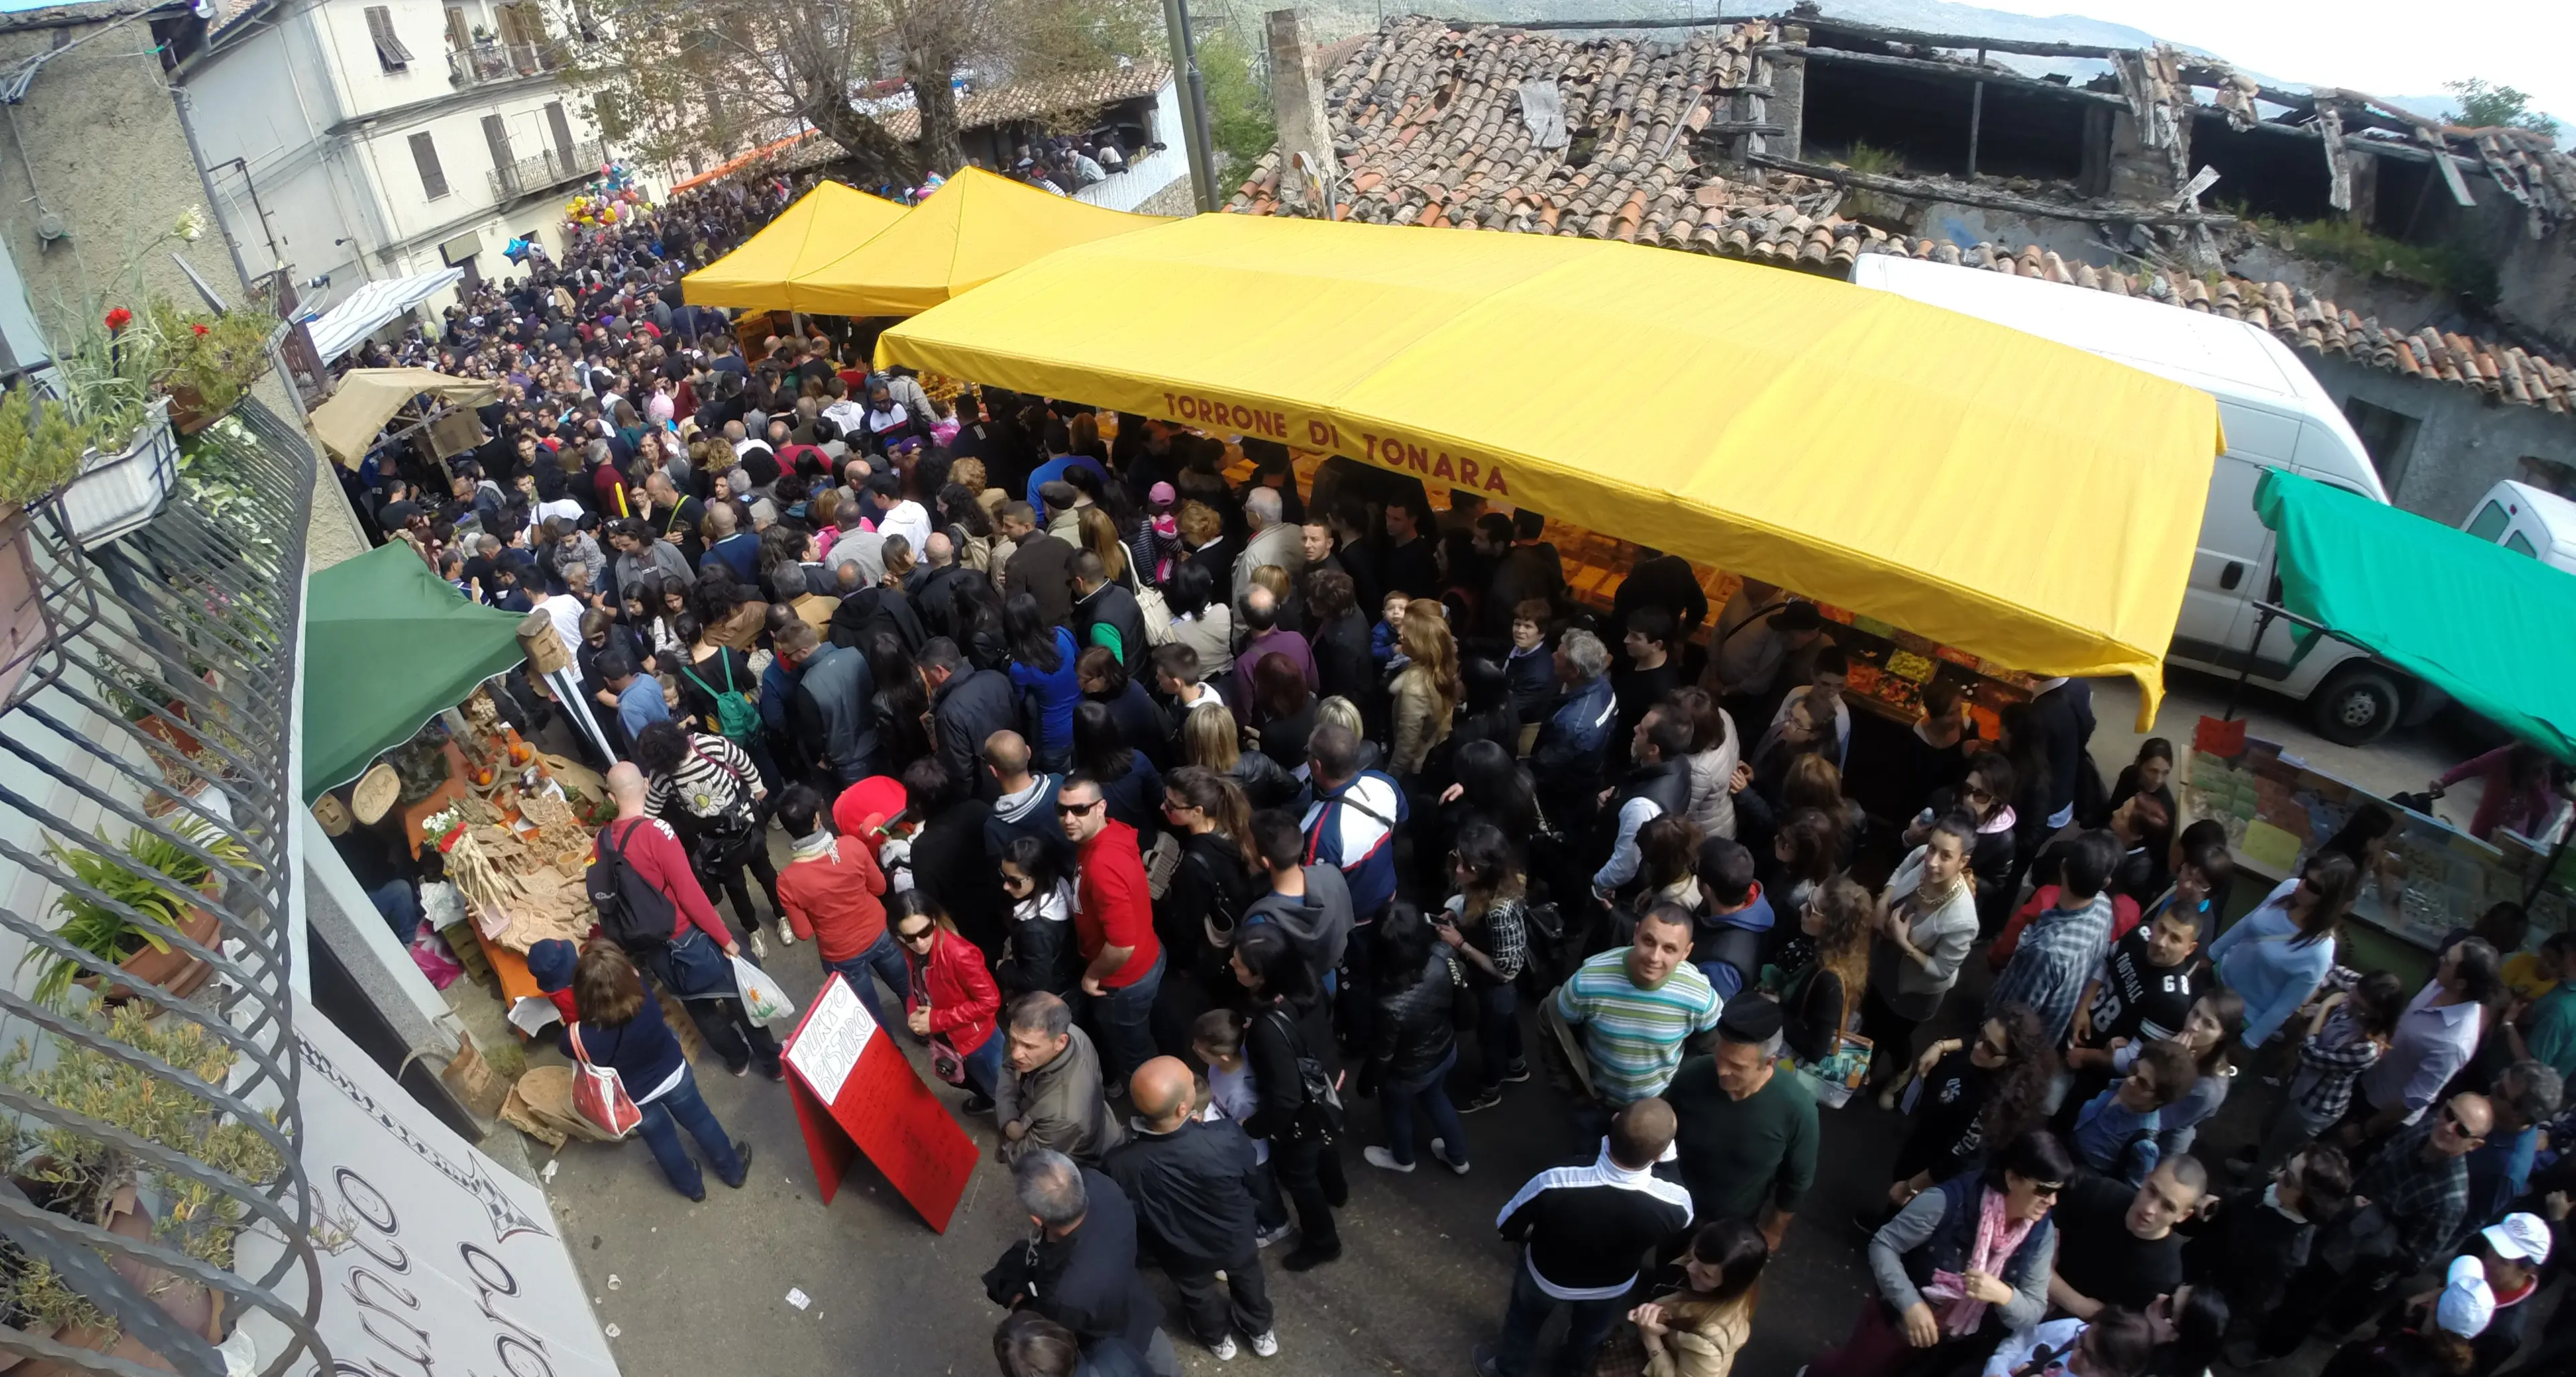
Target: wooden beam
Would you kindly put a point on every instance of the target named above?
(1959, 194)
(1920, 39)
(1955, 71)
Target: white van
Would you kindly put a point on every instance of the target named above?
(2527, 521)
(2276, 416)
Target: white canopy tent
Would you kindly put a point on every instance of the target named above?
(372, 307)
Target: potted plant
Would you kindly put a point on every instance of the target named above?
(208, 362)
(83, 1178)
(150, 874)
(41, 444)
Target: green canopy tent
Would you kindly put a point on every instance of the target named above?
(2481, 623)
(387, 646)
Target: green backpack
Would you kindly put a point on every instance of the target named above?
(736, 715)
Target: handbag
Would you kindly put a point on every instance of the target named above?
(1156, 612)
(697, 969)
(721, 843)
(945, 1061)
(599, 1093)
(1320, 1115)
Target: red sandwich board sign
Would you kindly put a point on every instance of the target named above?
(855, 1093)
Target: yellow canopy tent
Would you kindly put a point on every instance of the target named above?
(1994, 491)
(824, 224)
(973, 229)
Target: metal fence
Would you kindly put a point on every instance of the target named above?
(477, 63)
(169, 662)
(554, 167)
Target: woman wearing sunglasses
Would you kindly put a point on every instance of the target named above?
(952, 1001)
(1961, 1266)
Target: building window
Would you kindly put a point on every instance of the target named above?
(424, 155)
(2388, 437)
(389, 49)
(2548, 475)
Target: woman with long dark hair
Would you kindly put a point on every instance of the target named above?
(1486, 925)
(1220, 875)
(1697, 1328)
(1283, 710)
(1105, 681)
(1818, 998)
(901, 703)
(1804, 855)
(1042, 667)
(1201, 619)
(975, 611)
(1413, 1044)
(1961, 1266)
(1286, 1021)
(1966, 1096)
(1129, 782)
(2277, 955)
(1040, 953)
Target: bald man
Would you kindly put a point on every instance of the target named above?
(690, 962)
(1191, 1181)
(1581, 1231)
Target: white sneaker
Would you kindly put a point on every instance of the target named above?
(1440, 1150)
(1277, 1235)
(786, 935)
(1223, 1349)
(1266, 1344)
(758, 948)
(1380, 1157)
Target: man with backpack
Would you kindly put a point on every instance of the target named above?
(650, 903)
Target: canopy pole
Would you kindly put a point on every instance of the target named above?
(2262, 624)
(1193, 93)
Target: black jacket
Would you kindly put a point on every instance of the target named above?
(1088, 1281)
(972, 705)
(1342, 667)
(949, 868)
(1141, 725)
(1042, 567)
(936, 600)
(831, 712)
(1264, 781)
(1192, 1192)
(863, 614)
(1413, 1028)
(1666, 782)
(1111, 605)
(1212, 888)
(1271, 1053)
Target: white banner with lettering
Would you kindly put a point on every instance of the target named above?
(434, 1258)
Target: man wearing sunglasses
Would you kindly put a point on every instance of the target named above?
(2409, 1204)
(1114, 930)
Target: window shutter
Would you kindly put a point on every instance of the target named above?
(560, 125)
(460, 34)
(496, 132)
(389, 49)
(424, 155)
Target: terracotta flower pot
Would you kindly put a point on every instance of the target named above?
(24, 632)
(192, 1304)
(173, 970)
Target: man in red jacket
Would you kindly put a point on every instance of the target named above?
(829, 892)
(1122, 960)
(694, 967)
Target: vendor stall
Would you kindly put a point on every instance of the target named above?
(350, 424)
(974, 228)
(823, 225)
(1916, 466)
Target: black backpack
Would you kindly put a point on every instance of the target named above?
(632, 910)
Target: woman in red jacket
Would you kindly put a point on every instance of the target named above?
(953, 1000)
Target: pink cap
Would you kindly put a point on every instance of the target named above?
(1161, 494)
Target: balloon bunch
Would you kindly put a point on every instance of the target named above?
(607, 208)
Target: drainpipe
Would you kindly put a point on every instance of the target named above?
(1194, 120)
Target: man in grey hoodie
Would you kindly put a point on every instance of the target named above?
(1310, 903)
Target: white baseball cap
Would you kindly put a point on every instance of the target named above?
(2519, 1238)
(2466, 1304)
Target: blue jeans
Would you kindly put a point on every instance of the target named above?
(1397, 1101)
(1123, 1020)
(400, 905)
(984, 1065)
(660, 1129)
(1527, 1314)
(886, 959)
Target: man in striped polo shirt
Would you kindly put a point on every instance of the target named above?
(1635, 1006)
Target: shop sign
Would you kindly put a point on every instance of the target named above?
(1432, 461)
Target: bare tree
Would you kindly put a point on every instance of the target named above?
(672, 77)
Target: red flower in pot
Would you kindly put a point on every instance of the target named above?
(118, 319)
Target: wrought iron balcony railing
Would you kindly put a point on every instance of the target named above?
(478, 63)
(147, 740)
(544, 171)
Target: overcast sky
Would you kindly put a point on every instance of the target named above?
(2381, 46)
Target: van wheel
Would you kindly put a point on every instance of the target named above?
(2357, 706)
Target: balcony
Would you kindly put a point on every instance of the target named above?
(547, 170)
(481, 64)
(145, 797)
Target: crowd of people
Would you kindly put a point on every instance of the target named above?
(1175, 814)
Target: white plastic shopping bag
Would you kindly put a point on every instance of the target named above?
(763, 999)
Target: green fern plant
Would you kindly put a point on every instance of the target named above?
(150, 874)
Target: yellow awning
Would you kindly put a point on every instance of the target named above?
(1996, 492)
(824, 224)
(973, 229)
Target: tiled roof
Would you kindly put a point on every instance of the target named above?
(1029, 100)
(1427, 122)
